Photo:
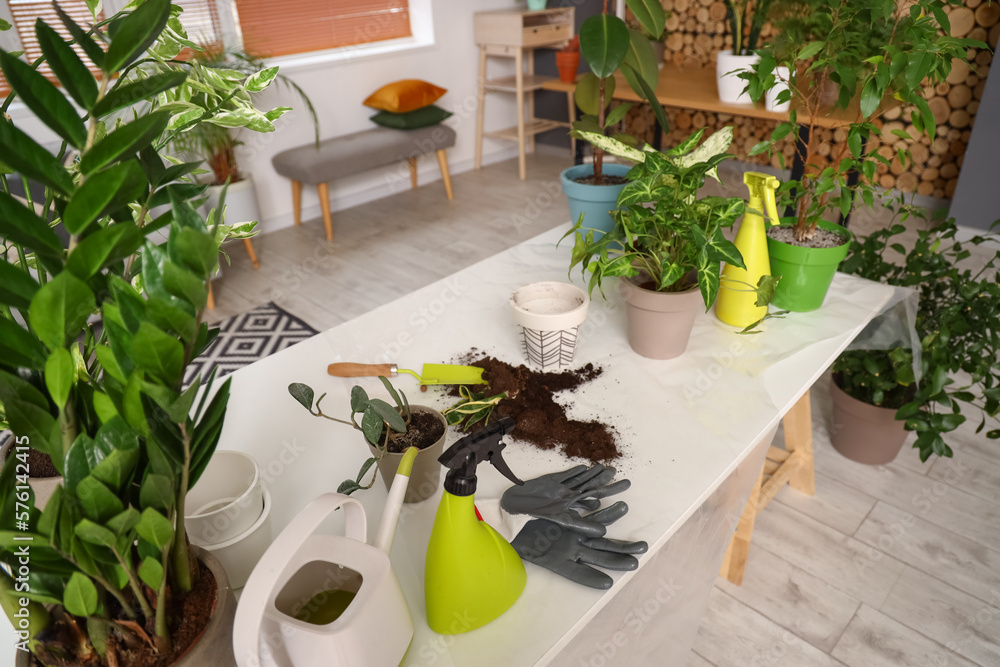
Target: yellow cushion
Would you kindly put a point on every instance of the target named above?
(405, 95)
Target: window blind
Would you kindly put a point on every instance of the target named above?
(200, 19)
(283, 28)
(26, 12)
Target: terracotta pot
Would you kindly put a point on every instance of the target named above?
(426, 474)
(660, 323)
(863, 432)
(568, 63)
(42, 486)
(215, 645)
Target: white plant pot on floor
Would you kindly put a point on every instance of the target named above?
(727, 69)
(241, 201)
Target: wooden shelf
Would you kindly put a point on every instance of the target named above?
(535, 126)
(508, 84)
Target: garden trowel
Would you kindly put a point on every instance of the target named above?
(431, 373)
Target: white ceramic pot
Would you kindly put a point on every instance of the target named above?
(227, 500)
(727, 69)
(241, 201)
(781, 77)
(239, 555)
(550, 315)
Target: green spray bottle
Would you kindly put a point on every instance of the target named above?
(472, 574)
(737, 302)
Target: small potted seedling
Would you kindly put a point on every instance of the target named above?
(389, 431)
(473, 407)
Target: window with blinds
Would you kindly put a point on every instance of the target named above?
(283, 28)
(200, 19)
(26, 12)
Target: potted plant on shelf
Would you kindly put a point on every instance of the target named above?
(746, 19)
(609, 47)
(215, 84)
(389, 431)
(568, 60)
(667, 242)
(886, 53)
(113, 579)
(878, 398)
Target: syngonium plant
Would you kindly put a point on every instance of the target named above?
(665, 235)
(956, 325)
(95, 337)
(876, 54)
(609, 46)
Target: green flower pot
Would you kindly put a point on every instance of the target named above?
(806, 273)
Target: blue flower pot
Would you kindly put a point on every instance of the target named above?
(536, 5)
(594, 201)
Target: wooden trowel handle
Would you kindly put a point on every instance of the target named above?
(349, 370)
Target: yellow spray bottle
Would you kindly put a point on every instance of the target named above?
(737, 302)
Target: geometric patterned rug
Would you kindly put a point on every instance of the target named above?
(245, 338)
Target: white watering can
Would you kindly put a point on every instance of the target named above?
(301, 572)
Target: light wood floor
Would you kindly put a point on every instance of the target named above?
(891, 565)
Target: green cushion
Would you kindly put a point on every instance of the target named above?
(411, 120)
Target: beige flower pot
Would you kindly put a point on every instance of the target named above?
(425, 478)
(660, 323)
(862, 432)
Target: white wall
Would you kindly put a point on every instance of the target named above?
(337, 90)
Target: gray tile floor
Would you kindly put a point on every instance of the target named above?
(891, 565)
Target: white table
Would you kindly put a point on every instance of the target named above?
(694, 431)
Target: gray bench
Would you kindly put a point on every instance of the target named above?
(355, 153)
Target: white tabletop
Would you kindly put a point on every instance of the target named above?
(684, 424)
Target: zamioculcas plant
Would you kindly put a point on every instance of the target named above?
(95, 338)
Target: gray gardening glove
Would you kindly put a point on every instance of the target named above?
(570, 554)
(560, 496)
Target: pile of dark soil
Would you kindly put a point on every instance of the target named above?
(609, 179)
(541, 421)
(40, 464)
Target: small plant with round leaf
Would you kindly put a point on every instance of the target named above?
(381, 423)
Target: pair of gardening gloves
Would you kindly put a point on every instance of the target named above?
(563, 539)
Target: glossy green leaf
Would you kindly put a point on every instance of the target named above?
(88, 531)
(155, 528)
(650, 15)
(99, 503)
(125, 141)
(304, 394)
(389, 414)
(102, 248)
(183, 284)
(60, 372)
(122, 524)
(870, 99)
(60, 308)
(604, 42)
(104, 407)
(359, 399)
(208, 431)
(158, 353)
(127, 94)
(103, 192)
(649, 94)
(16, 286)
(372, 425)
(641, 61)
(151, 572)
(810, 50)
(72, 73)
(20, 225)
(157, 491)
(22, 153)
(80, 36)
(172, 314)
(617, 114)
(18, 347)
(80, 595)
(136, 33)
(44, 99)
(116, 469)
(195, 250)
(587, 94)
